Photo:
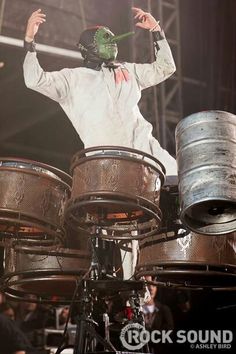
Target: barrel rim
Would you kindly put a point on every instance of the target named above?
(161, 171)
(65, 177)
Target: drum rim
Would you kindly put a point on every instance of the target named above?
(53, 251)
(52, 231)
(20, 294)
(71, 204)
(56, 173)
(17, 296)
(183, 282)
(76, 159)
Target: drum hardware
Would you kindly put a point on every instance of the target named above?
(42, 273)
(31, 233)
(86, 335)
(104, 280)
(193, 278)
(193, 261)
(110, 286)
(134, 301)
(206, 154)
(21, 237)
(104, 258)
(116, 189)
(171, 225)
(156, 239)
(136, 315)
(117, 226)
(100, 284)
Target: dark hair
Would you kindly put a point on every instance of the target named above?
(5, 306)
(86, 40)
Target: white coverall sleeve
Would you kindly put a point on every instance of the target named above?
(163, 67)
(164, 157)
(51, 84)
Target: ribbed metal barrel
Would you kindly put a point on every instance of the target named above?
(116, 189)
(206, 158)
(192, 261)
(44, 273)
(32, 200)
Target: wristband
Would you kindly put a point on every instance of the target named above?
(158, 36)
(30, 46)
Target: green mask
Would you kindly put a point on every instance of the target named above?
(106, 48)
(99, 44)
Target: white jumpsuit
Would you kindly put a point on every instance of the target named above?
(102, 111)
(103, 105)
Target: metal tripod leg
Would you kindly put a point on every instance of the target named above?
(87, 338)
(86, 335)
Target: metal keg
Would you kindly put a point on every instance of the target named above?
(206, 158)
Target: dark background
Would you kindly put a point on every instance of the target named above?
(32, 126)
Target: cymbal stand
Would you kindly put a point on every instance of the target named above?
(134, 301)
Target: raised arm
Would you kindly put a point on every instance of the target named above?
(52, 84)
(164, 65)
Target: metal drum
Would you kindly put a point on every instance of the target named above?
(48, 275)
(32, 200)
(206, 157)
(193, 261)
(116, 189)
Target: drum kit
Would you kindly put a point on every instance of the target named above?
(117, 196)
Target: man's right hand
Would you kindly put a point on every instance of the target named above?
(35, 20)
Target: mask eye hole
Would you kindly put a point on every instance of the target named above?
(106, 36)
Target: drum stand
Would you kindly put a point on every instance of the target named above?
(86, 335)
(135, 306)
(137, 317)
(87, 338)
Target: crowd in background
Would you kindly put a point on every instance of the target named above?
(31, 318)
(166, 309)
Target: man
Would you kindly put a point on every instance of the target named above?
(12, 340)
(157, 316)
(7, 310)
(32, 317)
(101, 98)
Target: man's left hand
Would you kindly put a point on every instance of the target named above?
(146, 20)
